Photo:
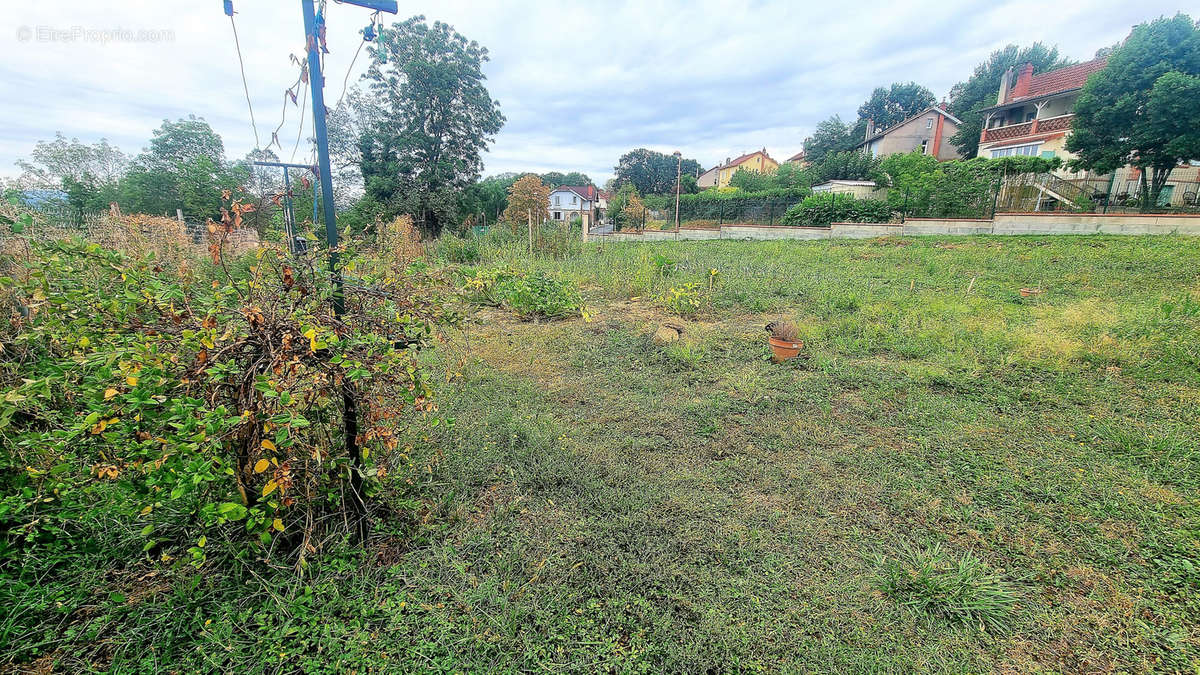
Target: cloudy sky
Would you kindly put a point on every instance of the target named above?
(580, 82)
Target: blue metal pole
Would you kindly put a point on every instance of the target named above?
(317, 85)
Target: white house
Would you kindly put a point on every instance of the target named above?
(574, 201)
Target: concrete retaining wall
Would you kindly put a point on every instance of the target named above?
(1002, 224)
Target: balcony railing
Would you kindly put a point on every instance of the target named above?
(1037, 126)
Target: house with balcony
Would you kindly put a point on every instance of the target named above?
(1032, 115)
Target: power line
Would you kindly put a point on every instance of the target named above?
(245, 87)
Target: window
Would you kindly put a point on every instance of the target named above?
(1047, 154)
(558, 215)
(1029, 116)
(557, 200)
(924, 147)
(1028, 150)
(929, 123)
(574, 200)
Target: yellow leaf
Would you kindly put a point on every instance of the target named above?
(268, 445)
(131, 381)
(109, 393)
(84, 342)
(277, 524)
(261, 466)
(269, 487)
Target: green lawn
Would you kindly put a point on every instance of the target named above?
(944, 481)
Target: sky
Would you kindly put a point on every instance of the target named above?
(580, 83)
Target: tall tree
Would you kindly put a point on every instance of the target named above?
(437, 118)
(980, 90)
(831, 135)
(53, 161)
(650, 172)
(184, 168)
(890, 106)
(555, 179)
(528, 195)
(1141, 109)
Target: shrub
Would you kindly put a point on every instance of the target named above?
(529, 296)
(822, 209)
(959, 591)
(201, 407)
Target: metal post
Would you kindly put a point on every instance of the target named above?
(1108, 195)
(317, 82)
(678, 176)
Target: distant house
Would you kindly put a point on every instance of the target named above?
(708, 178)
(928, 132)
(859, 189)
(758, 161)
(798, 159)
(575, 201)
(1033, 113)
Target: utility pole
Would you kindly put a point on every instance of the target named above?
(678, 176)
(312, 41)
(289, 215)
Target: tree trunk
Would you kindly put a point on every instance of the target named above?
(1158, 180)
(1143, 190)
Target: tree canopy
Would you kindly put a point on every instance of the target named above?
(891, 106)
(652, 172)
(527, 196)
(831, 135)
(980, 90)
(436, 118)
(1141, 109)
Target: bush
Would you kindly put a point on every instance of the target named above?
(529, 296)
(199, 406)
(822, 209)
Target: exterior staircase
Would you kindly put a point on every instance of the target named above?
(1067, 194)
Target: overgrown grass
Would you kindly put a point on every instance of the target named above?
(945, 481)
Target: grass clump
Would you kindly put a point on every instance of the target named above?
(959, 590)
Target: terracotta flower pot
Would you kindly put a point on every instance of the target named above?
(1027, 292)
(782, 350)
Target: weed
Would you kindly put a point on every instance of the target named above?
(685, 300)
(959, 590)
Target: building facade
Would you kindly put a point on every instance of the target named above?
(575, 201)
(927, 132)
(758, 161)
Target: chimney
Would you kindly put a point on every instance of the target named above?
(728, 160)
(942, 105)
(1021, 88)
(1005, 83)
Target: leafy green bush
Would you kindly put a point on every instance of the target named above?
(824, 208)
(529, 296)
(201, 409)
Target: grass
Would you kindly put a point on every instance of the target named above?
(944, 481)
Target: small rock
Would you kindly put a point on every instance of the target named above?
(667, 333)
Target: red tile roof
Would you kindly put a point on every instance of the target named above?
(584, 191)
(743, 158)
(1063, 79)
